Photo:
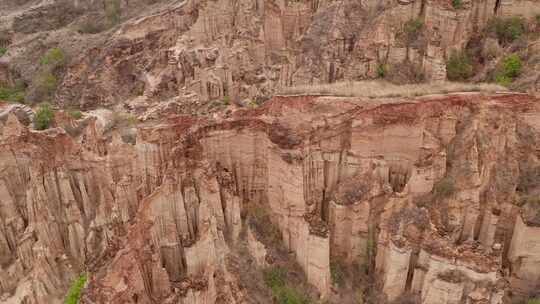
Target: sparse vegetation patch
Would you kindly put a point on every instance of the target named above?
(337, 271)
(444, 188)
(226, 100)
(121, 120)
(508, 70)
(90, 27)
(457, 4)
(54, 58)
(15, 94)
(412, 29)
(113, 10)
(74, 293)
(276, 279)
(75, 114)
(507, 29)
(260, 221)
(459, 66)
(46, 83)
(44, 117)
(382, 70)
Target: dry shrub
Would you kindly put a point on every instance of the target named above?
(338, 272)
(444, 188)
(451, 276)
(405, 73)
(380, 89)
(407, 298)
(260, 221)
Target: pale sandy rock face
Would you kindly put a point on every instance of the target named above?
(524, 256)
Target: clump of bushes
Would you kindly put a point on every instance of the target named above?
(226, 100)
(276, 279)
(457, 4)
(508, 70)
(46, 83)
(44, 117)
(459, 66)
(444, 188)
(412, 29)
(14, 94)
(3, 51)
(507, 29)
(75, 290)
(260, 220)
(54, 58)
(75, 114)
(275, 276)
(112, 10)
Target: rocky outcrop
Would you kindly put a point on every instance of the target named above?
(523, 254)
(420, 189)
(195, 55)
(23, 113)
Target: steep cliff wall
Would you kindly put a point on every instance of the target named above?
(422, 192)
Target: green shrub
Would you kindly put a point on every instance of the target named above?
(412, 29)
(276, 279)
(76, 114)
(382, 70)
(75, 290)
(46, 83)
(3, 51)
(459, 66)
(457, 4)
(54, 58)
(507, 29)
(444, 188)
(512, 65)
(533, 301)
(112, 10)
(503, 80)
(508, 70)
(12, 94)
(44, 117)
(226, 100)
(288, 295)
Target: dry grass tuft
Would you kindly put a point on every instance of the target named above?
(379, 89)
